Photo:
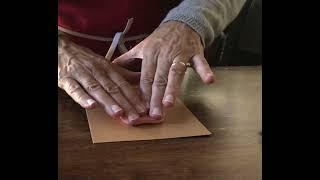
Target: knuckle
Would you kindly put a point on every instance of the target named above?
(98, 73)
(175, 69)
(92, 87)
(106, 65)
(161, 80)
(61, 83)
(73, 88)
(147, 80)
(90, 66)
(67, 85)
(72, 65)
(111, 88)
(124, 84)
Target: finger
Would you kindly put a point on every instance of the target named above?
(114, 91)
(176, 75)
(201, 66)
(146, 120)
(148, 69)
(127, 90)
(159, 86)
(75, 91)
(130, 76)
(97, 92)
(143, 120)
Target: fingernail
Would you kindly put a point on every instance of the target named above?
(141, 108)
(132, 116)
(169, 98)
(91, 102)
(156, 111)
(115, 108)
(210, 78)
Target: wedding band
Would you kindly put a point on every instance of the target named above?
(186, 65)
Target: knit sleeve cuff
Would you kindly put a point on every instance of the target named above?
(195, 20)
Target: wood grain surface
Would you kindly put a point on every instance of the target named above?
(230, 109)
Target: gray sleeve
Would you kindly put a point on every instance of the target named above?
(207, 17)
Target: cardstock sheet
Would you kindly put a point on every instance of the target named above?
(179, 122)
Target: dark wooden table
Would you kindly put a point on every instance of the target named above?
(230, 109)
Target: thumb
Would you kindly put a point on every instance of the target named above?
(128, 56)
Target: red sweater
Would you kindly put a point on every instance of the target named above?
(106, 17)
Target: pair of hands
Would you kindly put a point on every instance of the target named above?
(90, 79)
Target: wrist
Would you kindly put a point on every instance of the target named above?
(184, 28)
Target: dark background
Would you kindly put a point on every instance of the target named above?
(241, 44)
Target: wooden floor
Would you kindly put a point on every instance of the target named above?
(230, 109)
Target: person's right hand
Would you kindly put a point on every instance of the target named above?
(89, 78)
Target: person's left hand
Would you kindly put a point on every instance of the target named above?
(162, 71)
